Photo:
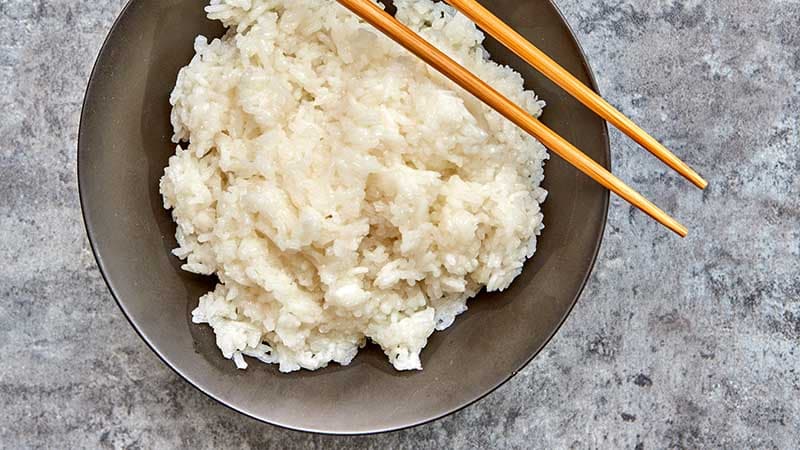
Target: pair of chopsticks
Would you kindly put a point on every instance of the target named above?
(380, 19)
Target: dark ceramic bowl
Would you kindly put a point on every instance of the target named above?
(124, 144)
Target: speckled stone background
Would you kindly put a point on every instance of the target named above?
(675, 343)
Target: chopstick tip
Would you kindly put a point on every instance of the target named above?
(695, 178)
(675, 226)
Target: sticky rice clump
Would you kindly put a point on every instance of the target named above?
(340, 189)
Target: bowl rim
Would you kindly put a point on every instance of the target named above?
(101, 266)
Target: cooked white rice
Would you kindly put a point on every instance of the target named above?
(340, 189)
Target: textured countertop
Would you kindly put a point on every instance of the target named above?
(674, 343)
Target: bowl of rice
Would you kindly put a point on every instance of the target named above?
(315, 228)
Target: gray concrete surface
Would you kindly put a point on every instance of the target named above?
(674, 344)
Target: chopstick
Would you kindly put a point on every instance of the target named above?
(552, 70)
(404, 36)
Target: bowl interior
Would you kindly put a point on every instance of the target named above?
(124, 145)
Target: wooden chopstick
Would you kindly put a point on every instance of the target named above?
(404, 36)
(552, 70)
